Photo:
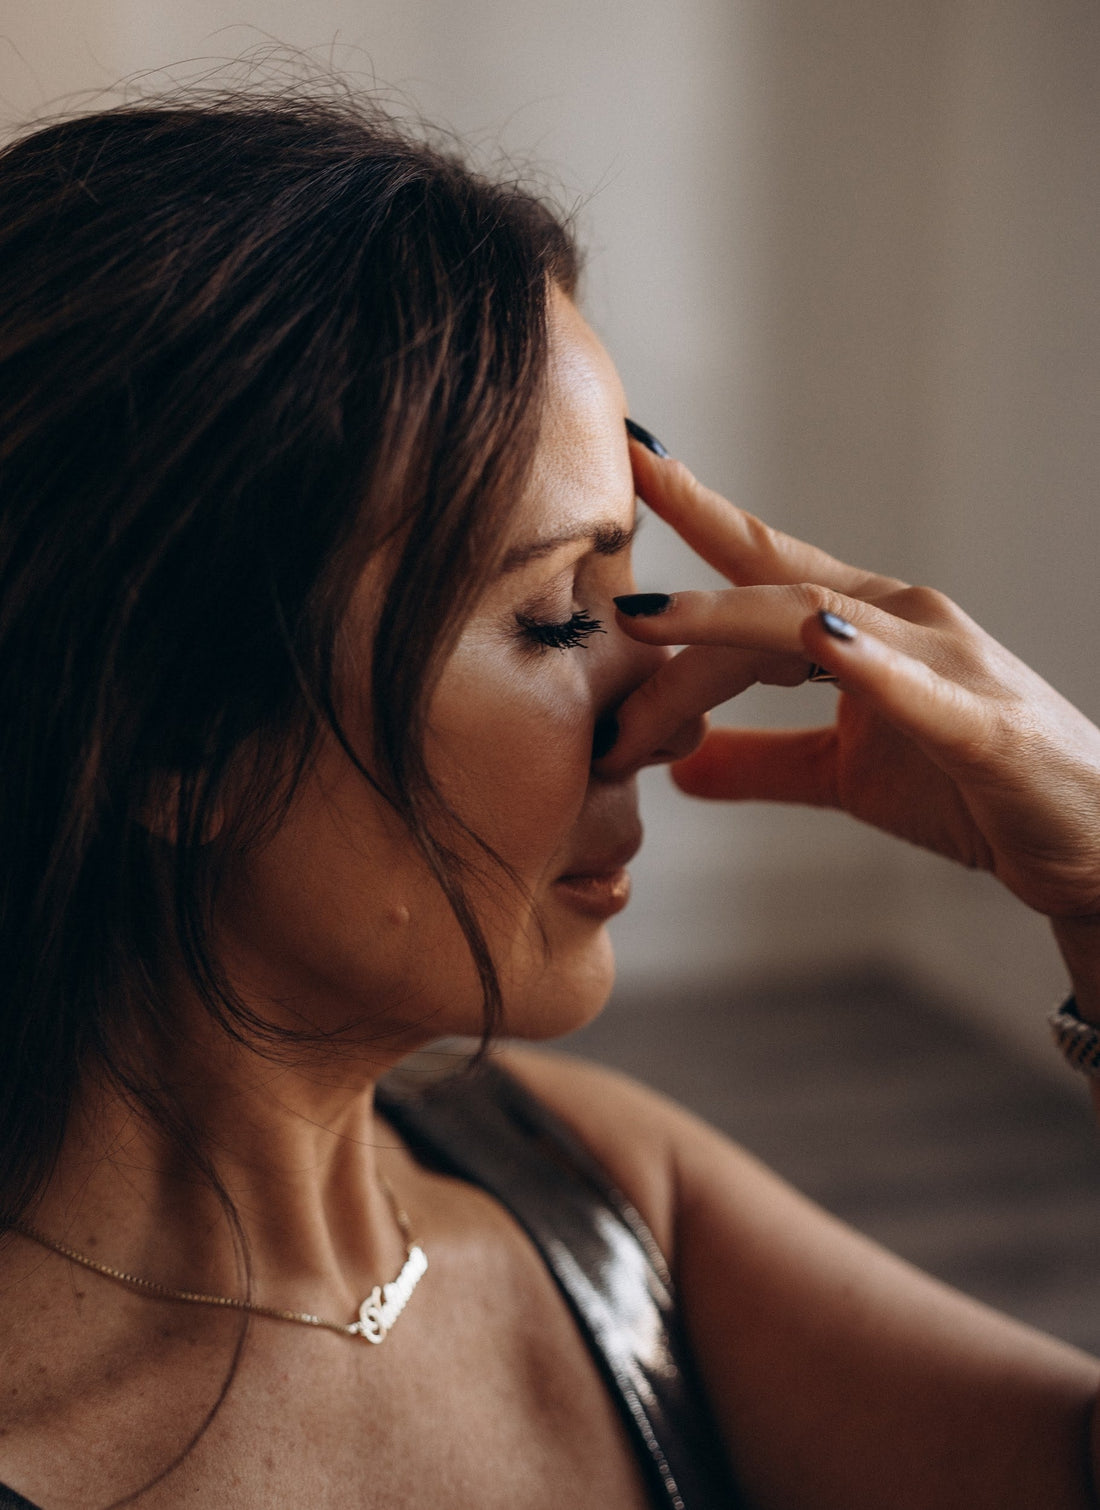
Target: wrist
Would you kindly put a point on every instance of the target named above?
(1079, 942)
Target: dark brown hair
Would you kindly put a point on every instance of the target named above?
(245, 344)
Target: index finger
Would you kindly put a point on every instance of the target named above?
(740, 546)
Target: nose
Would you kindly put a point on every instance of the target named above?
(666, 745)
(635, 666)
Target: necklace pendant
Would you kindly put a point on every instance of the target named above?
(377, 1313)
(385, 1303)
(372, 1323)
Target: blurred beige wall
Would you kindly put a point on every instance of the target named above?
(845, 254)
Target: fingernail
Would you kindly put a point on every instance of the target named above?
(839, 628)
(604, 735)
(650, 441)
(643, 605)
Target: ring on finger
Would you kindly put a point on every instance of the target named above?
(819, 674)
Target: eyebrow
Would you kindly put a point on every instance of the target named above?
(604, 539)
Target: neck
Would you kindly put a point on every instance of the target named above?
(296, 1150)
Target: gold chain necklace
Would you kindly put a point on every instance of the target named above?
(377, 1313)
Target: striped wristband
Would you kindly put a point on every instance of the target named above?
(1079, 1041)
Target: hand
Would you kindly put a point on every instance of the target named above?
(942, 737)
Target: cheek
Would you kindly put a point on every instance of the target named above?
(512, 753)
(333, 887)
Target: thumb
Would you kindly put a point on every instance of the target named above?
(763, 765)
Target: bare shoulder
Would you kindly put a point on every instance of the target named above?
(671, 1165)
(839, 1375)
(643, 1139)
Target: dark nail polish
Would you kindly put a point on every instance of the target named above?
(643, 605)
(650, 441)
(605, 735)
(839, 628)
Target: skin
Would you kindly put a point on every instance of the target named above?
(337, 924)
(839, 1375)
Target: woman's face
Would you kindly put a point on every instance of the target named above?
(337, 919)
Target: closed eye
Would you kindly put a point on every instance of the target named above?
(571, 635)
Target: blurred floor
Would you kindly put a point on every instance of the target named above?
(883, 1106)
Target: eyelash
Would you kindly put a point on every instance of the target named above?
(571, 635)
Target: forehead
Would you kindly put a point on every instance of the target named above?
(581, 468)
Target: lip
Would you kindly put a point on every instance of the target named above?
(599, 886)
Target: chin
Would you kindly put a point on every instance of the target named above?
(568, 992)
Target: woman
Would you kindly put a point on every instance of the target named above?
(319, 728)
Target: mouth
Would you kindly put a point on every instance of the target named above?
(599, 886)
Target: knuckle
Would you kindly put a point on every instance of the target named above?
(682, 478)
(762, 537)
(927, 605)
(811, 597)
(872, 586)
(777, 554)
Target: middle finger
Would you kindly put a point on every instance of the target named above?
(761, 619)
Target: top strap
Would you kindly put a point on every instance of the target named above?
(9, 1500)
(485, 1127)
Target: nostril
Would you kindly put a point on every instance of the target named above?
(604, 736)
